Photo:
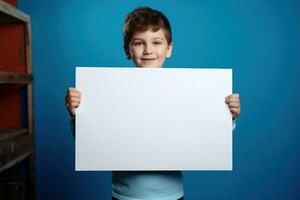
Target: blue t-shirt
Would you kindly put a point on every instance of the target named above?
(154, 185)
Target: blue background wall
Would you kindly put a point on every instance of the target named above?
(259, 39)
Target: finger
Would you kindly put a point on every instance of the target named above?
(232, 100)
(74, 105)
(75, 99)
(232, 97)
(71, 100)
(228, 101)
(234, 104)
(73, 92)
(72, 89)
(236, 96)
(235, 110)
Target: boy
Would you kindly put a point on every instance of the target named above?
(148, 42)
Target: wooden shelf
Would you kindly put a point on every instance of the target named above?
(10, 14)
(15, 78)
(8, 133)
(15, 161)
(15, 148)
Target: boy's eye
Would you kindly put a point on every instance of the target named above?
(157, 42)
(137, 43)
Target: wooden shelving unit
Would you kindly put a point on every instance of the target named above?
(17, 144)
(15, 78)
(8, 133)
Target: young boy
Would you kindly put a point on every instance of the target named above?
(148, 42)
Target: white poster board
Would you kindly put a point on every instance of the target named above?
(153, 119)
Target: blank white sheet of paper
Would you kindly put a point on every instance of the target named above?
(153, 119)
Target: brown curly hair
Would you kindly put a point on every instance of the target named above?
(141, 19)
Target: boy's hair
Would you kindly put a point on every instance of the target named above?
(141, 19)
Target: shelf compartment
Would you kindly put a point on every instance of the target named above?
(9, 133)
(14, 150)
(15, 78)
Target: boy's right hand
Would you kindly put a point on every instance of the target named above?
(72, 100)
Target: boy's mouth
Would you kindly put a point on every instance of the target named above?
(148, 59)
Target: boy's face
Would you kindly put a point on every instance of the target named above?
(149, 49)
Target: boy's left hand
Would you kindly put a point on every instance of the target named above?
(233, 102)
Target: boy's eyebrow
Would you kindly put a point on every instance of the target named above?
(143, 39)
(159, 38)
(137, 39)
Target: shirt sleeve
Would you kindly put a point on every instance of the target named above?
(73, 126)
(233, 124)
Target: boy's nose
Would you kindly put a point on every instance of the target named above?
(148, 50)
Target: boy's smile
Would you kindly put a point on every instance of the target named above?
(149, 49)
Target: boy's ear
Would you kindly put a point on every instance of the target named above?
(128, 56)
(127, 53)
(169, 51)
